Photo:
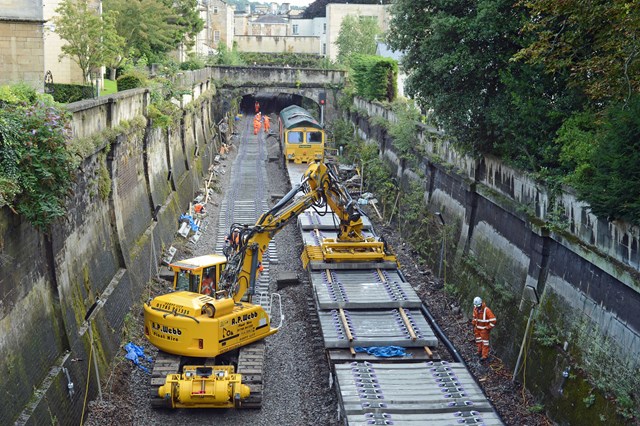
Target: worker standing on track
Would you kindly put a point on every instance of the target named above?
(257, 107)
(267, 123)
(257, 123)
(483, 321)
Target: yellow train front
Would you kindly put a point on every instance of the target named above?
(197, 325)
(303, 138)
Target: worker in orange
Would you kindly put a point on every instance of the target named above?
(483, 322)
(267, 123)
(206, 285)
(257, 123)
(257, 107)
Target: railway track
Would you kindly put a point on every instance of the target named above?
(353, 307)
(243, 202)
(363, 305)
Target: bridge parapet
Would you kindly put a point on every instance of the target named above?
(277, 76)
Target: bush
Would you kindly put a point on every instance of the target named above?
(375, 77)
(131, 80)
(67, 93)
(192, 64)
(36, 168)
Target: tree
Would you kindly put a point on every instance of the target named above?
(114, 45)
(152, 28)
(84, 31)
(357, 35)
(611, 183)
(596, 41)
(189, 22)
(454, 53)
(458, 58)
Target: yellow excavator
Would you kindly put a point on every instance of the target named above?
(212, 312)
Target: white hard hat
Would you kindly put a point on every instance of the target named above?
(477, 301)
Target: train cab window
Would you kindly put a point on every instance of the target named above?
(314, 137)
(294, 137)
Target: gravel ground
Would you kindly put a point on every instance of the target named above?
(296, 375)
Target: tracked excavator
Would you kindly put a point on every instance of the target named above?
(209, 331)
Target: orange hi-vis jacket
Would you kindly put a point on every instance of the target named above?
(483, 321)
(483, 318)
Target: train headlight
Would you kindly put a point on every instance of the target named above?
(289, 156)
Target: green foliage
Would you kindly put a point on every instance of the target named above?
(35, 166)
(90, 39)
(345, 100)
(193, 63)
(601, 55)
(226, 56)
(357, 36)
(343, 135)
(611, 183)
(152, 28)
(418, 226)
(536, 408)
(67, 93)
(375, 77)
(577, 139)
(405, 130)
(589, 400)
(284, 59)
(546, 334)
(453, 55)
(131, 80)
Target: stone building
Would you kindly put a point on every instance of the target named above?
(63, 69)
(221, 19)
(22, 42)
(337, 12)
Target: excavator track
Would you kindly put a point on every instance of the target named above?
(164, 364)
(250, 365)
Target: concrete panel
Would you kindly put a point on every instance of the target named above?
(130, 197)
(375, 328)
(353, 289)
(422, 393)
(158, 165)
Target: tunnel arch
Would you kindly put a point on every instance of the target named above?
(273, 102)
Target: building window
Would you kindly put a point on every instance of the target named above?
(295, 29)
(324, 28)
(216, 36)
(215, 10)
(324, 48)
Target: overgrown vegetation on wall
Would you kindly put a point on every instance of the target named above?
(36, 166)
(375, 77)
(546, 86)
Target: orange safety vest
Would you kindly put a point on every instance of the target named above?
(483, 318)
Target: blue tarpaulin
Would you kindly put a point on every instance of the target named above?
(382, 351)
(188, 218)
(135, 353)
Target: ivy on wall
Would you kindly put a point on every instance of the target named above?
(36, 168)
(375, 77)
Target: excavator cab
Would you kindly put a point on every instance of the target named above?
(198, 274)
